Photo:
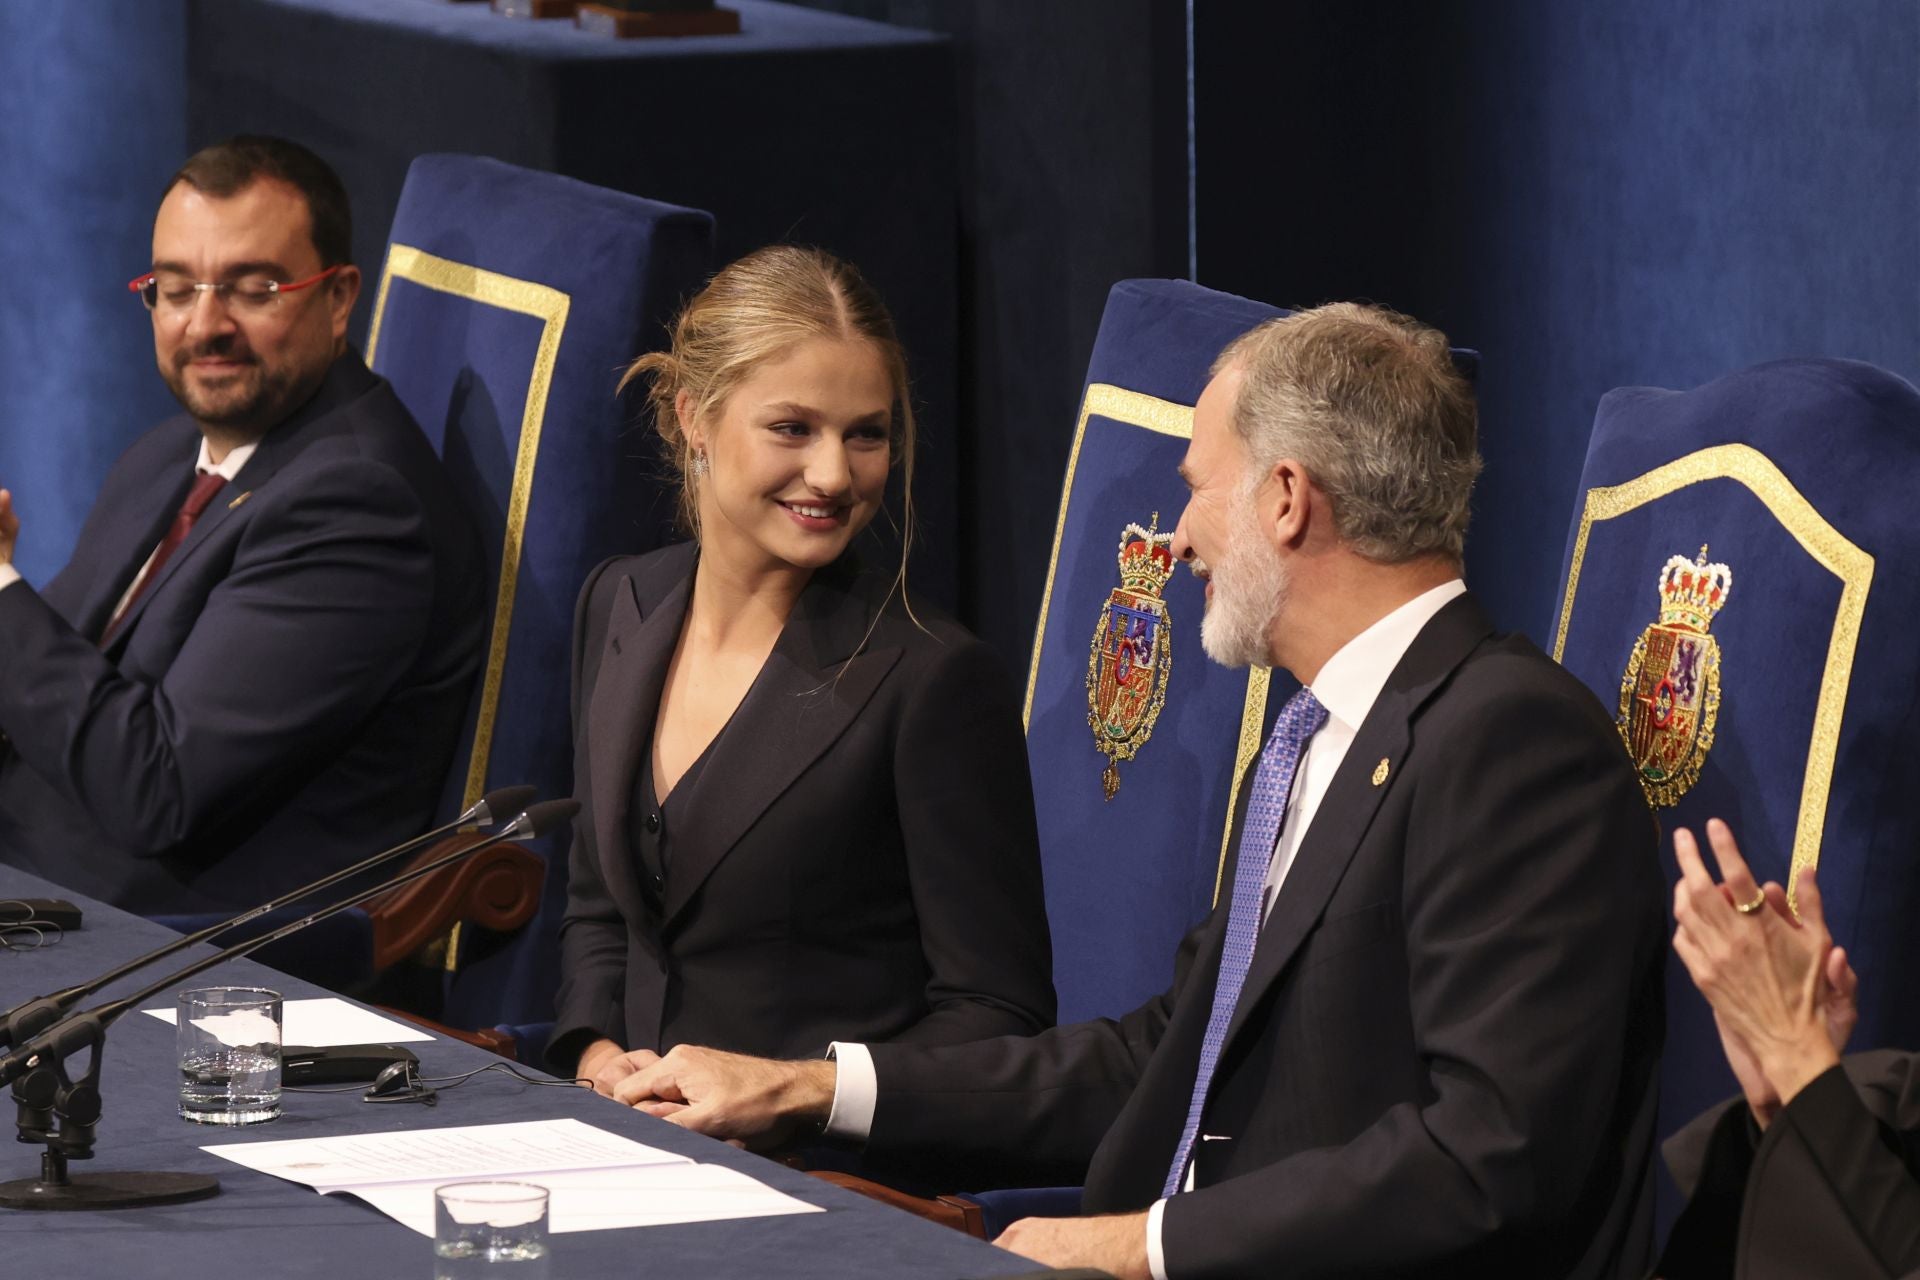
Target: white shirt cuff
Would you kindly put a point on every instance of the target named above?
(1156, 1256)
(8, 576)
(856, 1091)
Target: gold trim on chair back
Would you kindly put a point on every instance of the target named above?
(1820, 540)
(549, 306)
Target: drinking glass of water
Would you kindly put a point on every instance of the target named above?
(229, 1040)
(484, 1230)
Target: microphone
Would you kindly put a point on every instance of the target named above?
(64, 1113)
(27, 1020)
(82, 1029)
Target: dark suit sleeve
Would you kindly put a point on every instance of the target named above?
(1026, 1110)
(1835, 1186)
(1831, 1189)
(324, 608)
(1710, 1159)
(973, 852)
(1531, 900)
(593, 934)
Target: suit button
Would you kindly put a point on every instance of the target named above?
(658, 883)
(652, 823)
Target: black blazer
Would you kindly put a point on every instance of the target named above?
(857, 858)
(1832, 1189)
(1443, 1061)
(284, 698)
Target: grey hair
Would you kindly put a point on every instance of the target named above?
(1369, 401)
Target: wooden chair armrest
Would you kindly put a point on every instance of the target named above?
(492, 1039)
(497, 888)
(949, 1211)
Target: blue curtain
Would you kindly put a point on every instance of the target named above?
(94, 97)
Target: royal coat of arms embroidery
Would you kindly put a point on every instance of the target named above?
(1132, 651)
(1670, 695)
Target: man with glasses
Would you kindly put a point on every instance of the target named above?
(255, 666)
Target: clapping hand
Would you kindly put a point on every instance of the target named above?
(1782, 993)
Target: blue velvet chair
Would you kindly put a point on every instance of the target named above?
(1128, 874)
(1740, 585)
(509, 302)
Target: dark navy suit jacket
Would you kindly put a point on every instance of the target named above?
(284, 698)
(1444, 1059)
(857, 860)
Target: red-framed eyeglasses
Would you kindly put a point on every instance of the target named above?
(171, 293)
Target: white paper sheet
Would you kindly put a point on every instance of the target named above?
(352, 1161)
(598, 1180)
(603, 1199)
(329, 1020)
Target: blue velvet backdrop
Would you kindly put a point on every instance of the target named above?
(807, 126)
(95, 106)
(1636, 193)
(1597, 195)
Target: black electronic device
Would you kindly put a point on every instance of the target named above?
(340, 1063)
(57, 912)
(400, 1083)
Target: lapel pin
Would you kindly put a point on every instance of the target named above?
(1380, 771)
(242, 498)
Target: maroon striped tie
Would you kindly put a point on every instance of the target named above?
(204, 487)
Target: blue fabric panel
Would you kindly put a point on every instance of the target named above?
(1126, 878)
(1001, 1209)
(1635, 192)
(466, 368)
(529, 1040)
(684, 120)
(95, 109)
(336, 952)
(1846, 436)
(261, 1225)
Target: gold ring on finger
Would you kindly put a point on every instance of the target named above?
(1748, 908)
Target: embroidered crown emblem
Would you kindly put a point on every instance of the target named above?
(1692, 591)
(1670, 694)
(1132, 651)
(1146, 558)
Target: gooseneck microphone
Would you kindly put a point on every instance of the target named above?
(24, 1021)
(63, 1113)
(535, 821)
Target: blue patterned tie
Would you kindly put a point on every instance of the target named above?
(1299, 720)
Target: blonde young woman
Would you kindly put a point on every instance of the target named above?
(806, 815)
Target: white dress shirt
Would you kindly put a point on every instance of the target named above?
(1347, 686)
(228, 468)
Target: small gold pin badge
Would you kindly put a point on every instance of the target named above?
(1380, 771)
(242, 498)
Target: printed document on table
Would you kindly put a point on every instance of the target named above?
(601, 1199)
(598, 1179)
(329, 1020)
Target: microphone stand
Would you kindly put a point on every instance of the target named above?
(62, 1113)
(25, 1021)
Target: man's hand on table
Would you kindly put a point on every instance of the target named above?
(757, 1102)
(1115, 1243)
